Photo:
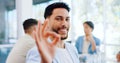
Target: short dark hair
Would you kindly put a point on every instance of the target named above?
(29, 22)
(49, 9)
(89, 23)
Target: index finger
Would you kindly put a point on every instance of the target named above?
(55, 37)
(44, 27)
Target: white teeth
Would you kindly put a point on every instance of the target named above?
(63, 31)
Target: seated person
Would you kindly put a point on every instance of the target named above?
(26, 42)
(118, 57)
(87, 44)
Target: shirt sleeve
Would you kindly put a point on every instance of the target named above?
(78, 45)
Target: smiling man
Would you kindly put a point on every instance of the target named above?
(55, 28)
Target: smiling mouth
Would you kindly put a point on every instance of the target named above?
(63, 31)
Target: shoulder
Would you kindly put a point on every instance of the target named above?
(33, 50)
(26, 40)
(70, 47)
(97, 40)
(80, 37)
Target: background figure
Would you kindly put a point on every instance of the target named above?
(87, 44)
(26, 42)
(118, 57)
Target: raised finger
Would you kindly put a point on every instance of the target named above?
(39, 30)
(44, 27)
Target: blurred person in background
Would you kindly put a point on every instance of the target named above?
(24, 43)
(88, 43)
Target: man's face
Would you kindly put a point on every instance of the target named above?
(59, 22)
(87, 29)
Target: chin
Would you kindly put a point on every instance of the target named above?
(64, 37)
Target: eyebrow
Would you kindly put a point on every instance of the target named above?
(61, 16)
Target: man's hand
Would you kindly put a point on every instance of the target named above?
(45, 48)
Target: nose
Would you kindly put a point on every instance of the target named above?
(64, 24)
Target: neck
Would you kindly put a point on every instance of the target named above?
(29, 34)
(61, 44)
(87, 34)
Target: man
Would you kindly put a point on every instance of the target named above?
(20, 49)
(50, 38)
(87, 44)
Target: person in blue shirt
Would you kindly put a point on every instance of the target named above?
(88, 43)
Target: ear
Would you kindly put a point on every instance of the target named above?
(34, 27)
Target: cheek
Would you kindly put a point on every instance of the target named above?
(55, 25)
(86, 29)
(69, 24)
(51, 23)
(90, 30)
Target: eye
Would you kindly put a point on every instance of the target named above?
(58, 19)
(67, 19)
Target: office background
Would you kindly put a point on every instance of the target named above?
(105, 14)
